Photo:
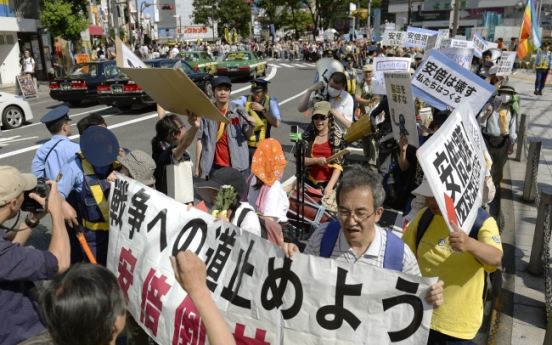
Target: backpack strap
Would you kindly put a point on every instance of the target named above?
(53, 147)
(329, 239)
(482, 216)
(427, 217)
(394, 252)
(243, 213)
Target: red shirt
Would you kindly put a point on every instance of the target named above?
(321, 173)
(222, 151)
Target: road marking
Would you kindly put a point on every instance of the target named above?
(6, 141)
(40, 123)
(273, 66)
(34, 147)
(271, 75)
(292, 98)
(306, 65)
(283, 64)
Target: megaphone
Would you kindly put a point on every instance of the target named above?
(495, 54)
(325, 68)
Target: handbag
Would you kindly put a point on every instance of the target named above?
(180, 184)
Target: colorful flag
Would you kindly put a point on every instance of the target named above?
(529, 39)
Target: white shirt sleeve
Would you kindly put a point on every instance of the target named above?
(347, 106)
(250, 222)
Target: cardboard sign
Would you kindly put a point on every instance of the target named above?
(387, 64)
(479, 44)
(25, 86)
(441, 82)
(506, 63)
(394, 38)
(453, 164)
(401, 106)
(264, 298)
(462, 56)
(82, 58)
(126, 58)
(417, 37)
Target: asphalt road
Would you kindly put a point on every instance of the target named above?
(135, 129)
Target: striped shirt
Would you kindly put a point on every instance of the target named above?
(373, 256)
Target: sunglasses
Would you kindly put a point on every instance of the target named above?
(319, 117)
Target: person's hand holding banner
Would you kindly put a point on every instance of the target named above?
(459, 240)
(435, 294)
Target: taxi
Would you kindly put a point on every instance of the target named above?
(242, 64)
(200, 61)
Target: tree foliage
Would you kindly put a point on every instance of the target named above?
(233, 14)
(65, 18)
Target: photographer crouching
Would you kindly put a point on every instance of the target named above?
(20, 266)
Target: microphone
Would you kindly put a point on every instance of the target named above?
(244, 115)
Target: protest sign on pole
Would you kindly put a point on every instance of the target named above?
(506, 63)
(387, 64)
(401, 106)
(440, 82)
(462, 56)
(431, 43)
(393, 38)
(126, 57)
(453, 164)
(417, 37)
(456, 43)
(445, 33)
(479, 44)
(263, 297)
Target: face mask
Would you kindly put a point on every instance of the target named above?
(333, 92)
(507, 98)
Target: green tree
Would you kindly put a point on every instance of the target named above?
(228, 13)
(65, 18)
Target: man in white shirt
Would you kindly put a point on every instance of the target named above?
(174, 52)
(342, 102)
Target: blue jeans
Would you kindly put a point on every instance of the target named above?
(542, 74)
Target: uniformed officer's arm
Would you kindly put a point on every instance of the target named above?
(273, 116)
(37, 167)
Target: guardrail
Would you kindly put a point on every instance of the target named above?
(530, 186)
(522, 147)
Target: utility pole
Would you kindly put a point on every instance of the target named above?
(368, 30)
(455, 17)
(409, 18)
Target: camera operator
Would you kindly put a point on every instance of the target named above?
(19, 318)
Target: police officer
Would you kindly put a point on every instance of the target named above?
(86, 173)
(264, 109)
(52, 155)
(351, 74)
(372, 53)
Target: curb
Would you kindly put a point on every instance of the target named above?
(502, 308)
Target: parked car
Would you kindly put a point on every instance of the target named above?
(81, 81)
(15, 110)
(122, 92)
(200, 61)
(242, 64)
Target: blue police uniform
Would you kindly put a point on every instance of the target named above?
(51, 156)
(86, 174)
(262, 128)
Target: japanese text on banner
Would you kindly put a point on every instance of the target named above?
(401, 106)
(506, 63)
(417, 37)
(265, 298)
(394, 38)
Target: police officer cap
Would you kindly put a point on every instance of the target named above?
(99, 146)
(372, 48)
(327, 53)
(347, 60)
(259, 85)
(56, 116)
(222, 80)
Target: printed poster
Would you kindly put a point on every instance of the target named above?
(462, 56)
(26, 86)
(387, 64)
(417, 37)
(506, 63)
(394, 38)
(479, 44)
(401, 106)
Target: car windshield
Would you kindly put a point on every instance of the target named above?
(111, 70)
(122, 75)
(83, 70)
(170, 64)
(188, 57)
(236, 57)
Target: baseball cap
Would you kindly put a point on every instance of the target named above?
(140, 165)
(221, 177)
(222, 80)
(13, 183)
(322, 108)
(423, 190)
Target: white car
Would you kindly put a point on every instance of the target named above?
(15, 110)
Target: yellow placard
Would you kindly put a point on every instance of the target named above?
(82, 58)
(173, 90)
(242, 55)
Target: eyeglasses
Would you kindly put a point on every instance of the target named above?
(358, 216)
(319, 117)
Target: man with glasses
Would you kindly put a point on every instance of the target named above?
(264, 109)
(356, 238)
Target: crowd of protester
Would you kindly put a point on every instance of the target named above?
(235, 154)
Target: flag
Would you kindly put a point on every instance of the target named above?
(529, 39)
(227, 36)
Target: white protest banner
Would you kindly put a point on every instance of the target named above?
(462, 56)
(393, 38)
(440, 82)
(264, 298)
(126, 57)
(456, 43)
(453, 164)
(479, 44)
(506, 63)
(431, 43)
(445, 33)
(387, 64)
(401, 106)
(417, 37)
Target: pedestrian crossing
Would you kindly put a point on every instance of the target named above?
(288, 64)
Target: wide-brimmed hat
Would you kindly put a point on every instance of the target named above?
(423, 190)
(221, 177)
(140, 165)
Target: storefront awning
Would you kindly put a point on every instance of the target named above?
(95, 30)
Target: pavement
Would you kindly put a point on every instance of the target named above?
(519, 315)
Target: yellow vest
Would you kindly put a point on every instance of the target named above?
(261, 125)
(99, 197)
(351, 82)
(543, 61)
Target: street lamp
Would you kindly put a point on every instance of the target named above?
(146, 4)
(179, 23)
(212, 19)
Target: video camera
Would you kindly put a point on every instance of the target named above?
(43, 190)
